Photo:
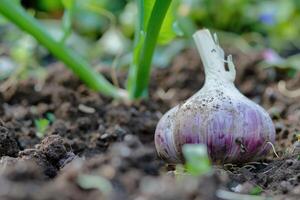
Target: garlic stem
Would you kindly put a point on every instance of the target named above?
(212, 56)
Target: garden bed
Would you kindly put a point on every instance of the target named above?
(113, 141)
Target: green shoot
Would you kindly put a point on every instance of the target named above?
(147, 34)
(196, 159)
(94, 182)
(41, 126)
(14, 12)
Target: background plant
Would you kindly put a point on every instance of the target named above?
(151, 17)
(88, 26)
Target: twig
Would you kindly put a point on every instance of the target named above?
(289, 93)
(274, 150)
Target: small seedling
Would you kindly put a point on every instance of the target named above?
(41, 126)
(95, 182)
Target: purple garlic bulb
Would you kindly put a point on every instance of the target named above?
(233, 128)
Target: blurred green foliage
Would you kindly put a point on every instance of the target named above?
(275, 19)
(100, 30)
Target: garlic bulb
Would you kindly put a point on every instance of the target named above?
(233, 128)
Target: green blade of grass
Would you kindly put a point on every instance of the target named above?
(16, 14)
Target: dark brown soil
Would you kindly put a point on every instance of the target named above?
(97, 148)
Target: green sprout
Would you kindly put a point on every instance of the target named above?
(94, 182)
(155, 25)
(151, 17)
(196, 159)
(41, 126)
(256, 190)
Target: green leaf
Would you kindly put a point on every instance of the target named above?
(49, 5)
(148, 7)
(68, 3)
(166, 33)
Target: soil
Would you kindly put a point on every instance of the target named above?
(98, 148)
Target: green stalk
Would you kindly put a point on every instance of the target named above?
(140, 25)
(69, 6)
(137, 44)
(139, 78)
(14, 12)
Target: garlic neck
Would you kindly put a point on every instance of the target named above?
(212, 56)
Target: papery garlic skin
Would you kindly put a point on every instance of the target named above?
(233, 128)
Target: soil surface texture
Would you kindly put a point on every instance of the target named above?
(98, 148)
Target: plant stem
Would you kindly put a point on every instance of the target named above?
(212, 56)
(140, 78)
(12, 11)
